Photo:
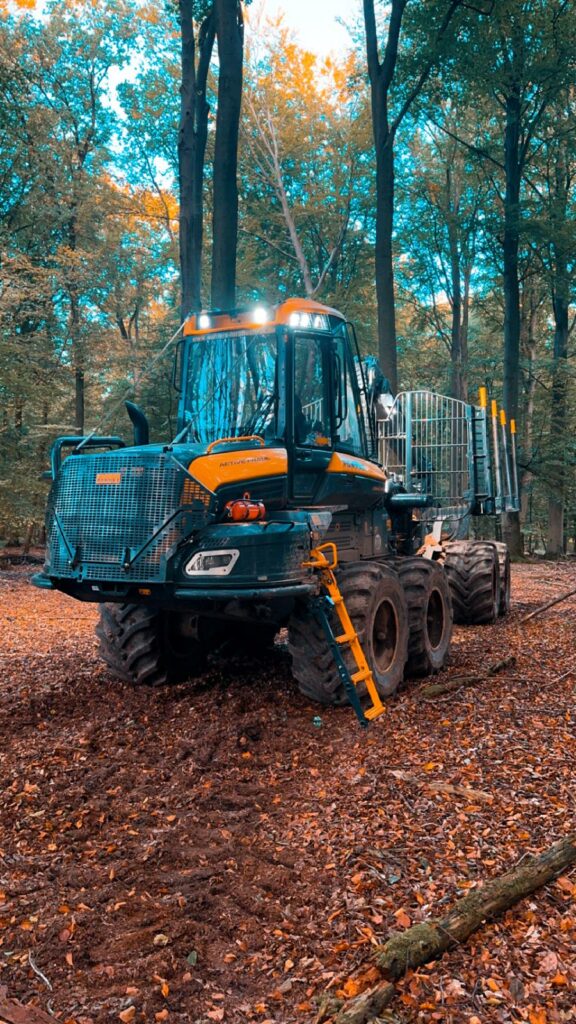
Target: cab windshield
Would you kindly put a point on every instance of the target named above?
(232, 387)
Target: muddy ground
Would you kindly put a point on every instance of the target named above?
(212, 852)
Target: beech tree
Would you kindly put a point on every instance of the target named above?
(557, 236)
(521, 57)
(67, 65)
(192, 137)
(440, 233)
(229, 24)
(392, 97)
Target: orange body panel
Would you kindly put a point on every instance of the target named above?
(230, 467)
(340, 463)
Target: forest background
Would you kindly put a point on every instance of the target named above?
(478, 123)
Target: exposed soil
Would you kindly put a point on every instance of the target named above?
(218, 852)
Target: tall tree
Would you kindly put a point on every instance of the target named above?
(68, 65)
(559, 253)
(439, 229)
(192, 136)
(229, 26)
(391, 100)
(522, 58)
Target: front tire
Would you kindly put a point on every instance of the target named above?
(429, 614)
(376, 604)
(147, 646)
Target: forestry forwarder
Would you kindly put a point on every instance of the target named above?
(296, 493)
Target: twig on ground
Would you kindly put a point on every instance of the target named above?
(549, 604)
(37, 971)
(459, 682)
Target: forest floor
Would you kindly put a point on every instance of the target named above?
(211, 853)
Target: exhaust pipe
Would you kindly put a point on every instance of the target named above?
(139, 422)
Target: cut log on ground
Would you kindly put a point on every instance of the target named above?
(428, 940)
(458, 682)
(549, 604)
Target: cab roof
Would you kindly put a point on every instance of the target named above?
(258, 315)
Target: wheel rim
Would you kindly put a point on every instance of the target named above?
(435, 619)
(384, 636)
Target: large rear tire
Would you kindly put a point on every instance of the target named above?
(376, 604)
(505, 577)
(149, 647)
(474, 578)
(429, 614)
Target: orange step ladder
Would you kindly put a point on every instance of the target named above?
(321, 607)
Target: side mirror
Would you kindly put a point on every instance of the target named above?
(380, 397)
(139, 422)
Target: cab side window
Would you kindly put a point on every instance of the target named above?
(349, 433)
(311, 412)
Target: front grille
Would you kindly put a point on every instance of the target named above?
(98, 526)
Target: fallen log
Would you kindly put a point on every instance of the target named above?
(457, 683)
(428, 940)
(549, 604)
(462, 681)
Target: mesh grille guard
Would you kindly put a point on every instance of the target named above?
(119, 516)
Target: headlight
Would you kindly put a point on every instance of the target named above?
(212, 563)
(261, 315)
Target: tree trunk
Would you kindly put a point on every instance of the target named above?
(383, 258)
(79, 399)
(18, 414)
(74, 329)
(464, 331)
(381, 76)
(528, 328)
(513, 170)
(193, 133)
(230, 36)
(559, 393)
(78, 361)
(456, 354)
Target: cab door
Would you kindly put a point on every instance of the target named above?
(311, 413)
